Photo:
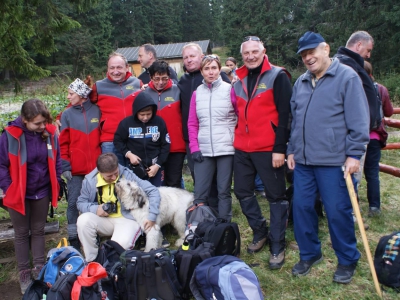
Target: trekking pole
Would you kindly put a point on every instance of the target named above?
(356, 209)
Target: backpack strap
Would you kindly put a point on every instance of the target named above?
(132, 277)
(149, 275)
(194, 288)
(184, 268)
(169, 272)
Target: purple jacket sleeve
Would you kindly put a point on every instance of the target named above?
(234, 101)
(193, 126)
(5, 179)
(387, 106)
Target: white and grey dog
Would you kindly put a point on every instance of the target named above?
(173, 205)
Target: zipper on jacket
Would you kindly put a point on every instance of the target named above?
(250, 98)
(209, 108)
(87, 131)
(305, 113)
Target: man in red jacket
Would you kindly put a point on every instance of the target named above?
(114, 95)
(263, 100)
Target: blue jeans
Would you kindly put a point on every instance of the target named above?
(371, 171)
(108, 147)
(329, 181)
(259, 186)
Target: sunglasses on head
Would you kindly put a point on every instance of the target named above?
(251, 38)
(211, 56)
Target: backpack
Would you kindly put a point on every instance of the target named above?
(61, 289)
(150, 275)
(225, 277)
(225, 236)
(387, 260)
(61, 261)
(108, 257)
(197, 213)
(36, 290)
(187, 261)
(86, 286)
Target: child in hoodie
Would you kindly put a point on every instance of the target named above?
(143, 138)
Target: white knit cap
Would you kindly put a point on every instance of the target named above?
(79, 87)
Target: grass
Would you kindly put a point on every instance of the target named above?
(278, 284)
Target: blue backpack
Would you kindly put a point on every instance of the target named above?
(61, 261)
(225, 277)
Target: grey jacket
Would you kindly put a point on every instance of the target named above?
(87, 201)
(331, 121)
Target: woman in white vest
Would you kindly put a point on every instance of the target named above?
(211, 125)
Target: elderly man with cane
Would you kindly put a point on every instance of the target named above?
(330, 128)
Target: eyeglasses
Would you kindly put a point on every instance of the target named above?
(251, 38)
(157, 79)
(211, 56)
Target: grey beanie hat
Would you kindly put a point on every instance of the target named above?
(79, 87)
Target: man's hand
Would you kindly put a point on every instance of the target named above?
(147, 225)
(352, 165)
(100, 212)
(278, 159)
(134, 159)
(67, 175)
(144, 86)
(290, 162)
(152, 170)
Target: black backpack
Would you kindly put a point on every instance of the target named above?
(197, 213)
(187, 261)
(61, 289)
(36, 290)
(387, 260)
(108, 256)
(150, 275)
(225, 236)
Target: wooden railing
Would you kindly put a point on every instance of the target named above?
(394, 123)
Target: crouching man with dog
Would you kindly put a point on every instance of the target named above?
(101, 211)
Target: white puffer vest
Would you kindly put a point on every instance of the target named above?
(217, 118)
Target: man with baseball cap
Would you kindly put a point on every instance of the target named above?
(329, 130)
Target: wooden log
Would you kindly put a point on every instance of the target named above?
(392, 146)
(389, 170)
(392, 123)
(50, 227)
(396, 110)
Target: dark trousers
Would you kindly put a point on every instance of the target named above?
(246, 166)
(33, 220)
(74, 190)
(371, 171)
(329, 181)
(223, 167)
(173, 169)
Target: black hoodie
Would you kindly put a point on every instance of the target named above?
(356, 62)
(150, 141)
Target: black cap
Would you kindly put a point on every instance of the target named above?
(309, 40)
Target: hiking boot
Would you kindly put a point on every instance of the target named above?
(256, 246)
(165, 243)
(36, 271)
(344, 274)
(373, 212)
(276, 261)
(303, 267)
(24, 280)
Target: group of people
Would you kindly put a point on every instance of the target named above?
(142, 129)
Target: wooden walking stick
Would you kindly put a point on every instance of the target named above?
(356, 209)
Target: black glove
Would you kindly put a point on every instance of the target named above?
(197, 156)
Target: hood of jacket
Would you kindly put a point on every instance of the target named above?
(143, 100)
